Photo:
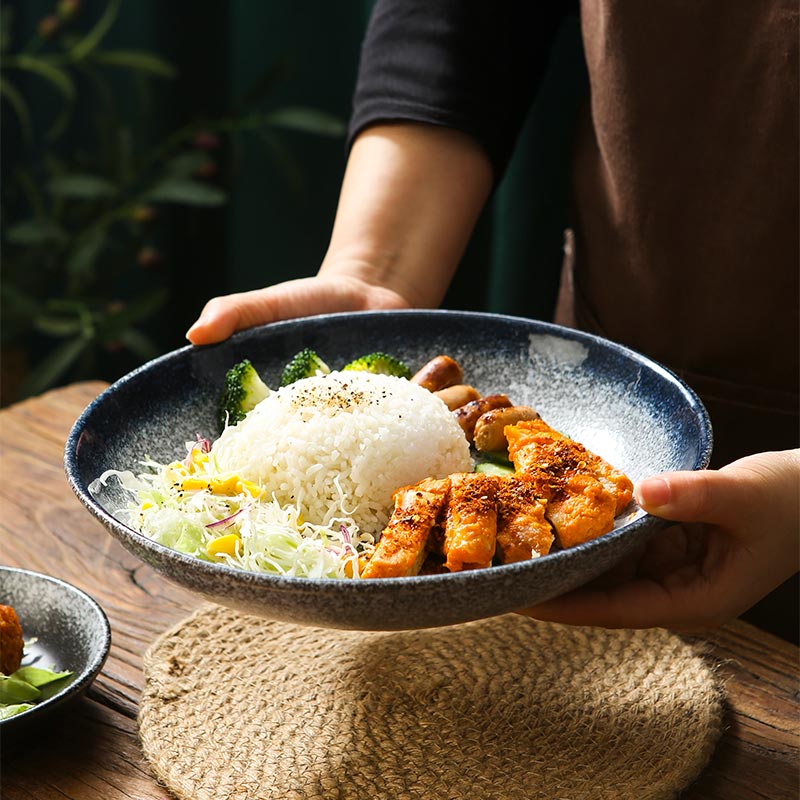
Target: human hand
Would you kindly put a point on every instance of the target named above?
(410, 197)
(738, 538)
(321, 294)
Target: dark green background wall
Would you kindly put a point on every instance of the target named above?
(277, 221)
(278, 229)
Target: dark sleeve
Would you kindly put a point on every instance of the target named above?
(473, 65)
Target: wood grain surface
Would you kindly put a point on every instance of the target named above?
(89, 750)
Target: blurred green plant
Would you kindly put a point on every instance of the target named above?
(81, 271)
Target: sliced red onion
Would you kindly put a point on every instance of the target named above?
(348, 541)
(226, 521)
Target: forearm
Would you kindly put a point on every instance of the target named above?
(409, 201)
(410, 198)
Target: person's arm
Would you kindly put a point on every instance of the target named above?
(410, 198)
(740, 538)
(443, 89)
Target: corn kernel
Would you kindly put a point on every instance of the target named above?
(250, 488)
(197, 458)
(230, 485)
(194, 484)
(227, 544)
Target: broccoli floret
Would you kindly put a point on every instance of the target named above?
(243, 388)
(380, 363)
(305, 364)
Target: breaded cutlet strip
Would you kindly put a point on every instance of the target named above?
(580, 507)
(523, 532)
(581, 510)
(403, 545)
(536, 445)
(470, 525)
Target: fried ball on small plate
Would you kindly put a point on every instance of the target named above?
(10, 640)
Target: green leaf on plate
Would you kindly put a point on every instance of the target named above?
(13, 710)
(493, 468)
(16, 690)
(38, 677)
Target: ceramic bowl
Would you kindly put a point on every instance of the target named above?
(64, 629)
(635, 413)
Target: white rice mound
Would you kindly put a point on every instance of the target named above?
(340, 444)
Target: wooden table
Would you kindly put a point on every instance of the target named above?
(90, 750)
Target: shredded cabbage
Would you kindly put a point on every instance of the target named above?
(191, 507)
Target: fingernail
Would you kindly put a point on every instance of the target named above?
(653, 493)
(202, 319)
(195, 326)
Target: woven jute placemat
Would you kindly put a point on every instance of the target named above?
(237, 707)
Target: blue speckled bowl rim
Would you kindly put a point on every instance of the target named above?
(479, 578)
(82, 679)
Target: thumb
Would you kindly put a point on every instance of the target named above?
(225, 315)
(301, 297)
(709, 496)
(746, 491)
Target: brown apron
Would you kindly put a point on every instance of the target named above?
(686, 203)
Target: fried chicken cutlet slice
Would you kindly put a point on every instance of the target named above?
(523, 532)
(470, 525)
(403, 545)
(537, 444)
(580, 510)
(584, 493)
